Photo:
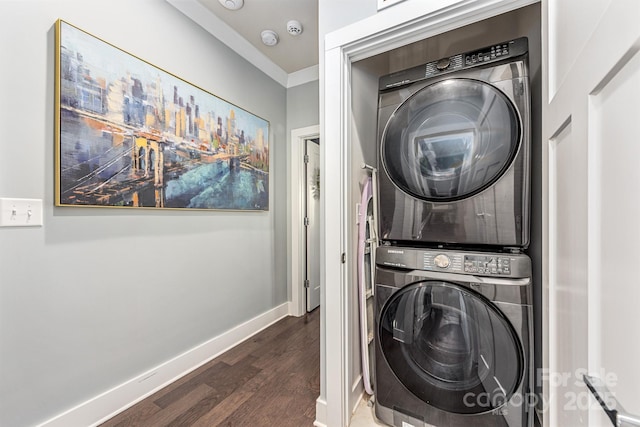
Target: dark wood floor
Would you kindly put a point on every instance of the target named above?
(272, 379)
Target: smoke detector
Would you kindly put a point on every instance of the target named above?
(269, 37)
(294, 27)
(232, 4)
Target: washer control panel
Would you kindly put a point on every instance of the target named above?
(442, 261)
(512, 265)
(439, 261)
(487, 264)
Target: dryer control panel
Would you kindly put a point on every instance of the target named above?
(496, 52)
(459, 262)
(489, 54)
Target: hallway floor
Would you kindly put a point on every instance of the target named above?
(271, 379)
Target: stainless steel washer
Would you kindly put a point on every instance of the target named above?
(453, 138)
(454, 344)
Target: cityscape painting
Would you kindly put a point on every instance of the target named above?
(129, 134)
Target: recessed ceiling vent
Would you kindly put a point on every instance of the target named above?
(294, 27)
(232, 4)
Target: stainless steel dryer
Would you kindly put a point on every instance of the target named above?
(453, 138)
(454, 344)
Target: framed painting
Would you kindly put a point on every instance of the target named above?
(129, 134)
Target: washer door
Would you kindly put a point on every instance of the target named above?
(450, 140)
(450, 347)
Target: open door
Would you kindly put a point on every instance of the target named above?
(592, 228)
(312, 222)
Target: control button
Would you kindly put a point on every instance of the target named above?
(442, 261)
(443, 64)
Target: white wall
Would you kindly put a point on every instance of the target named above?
(302, 112)
(302, 106)
(99, 296)
(333, 15)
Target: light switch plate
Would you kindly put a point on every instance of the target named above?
(20, 212)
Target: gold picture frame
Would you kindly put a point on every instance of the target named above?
(131, 135)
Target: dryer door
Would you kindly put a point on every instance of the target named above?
(450, 347)
(450, 140)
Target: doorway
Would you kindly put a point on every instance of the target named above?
(298, 186)
(311, 221)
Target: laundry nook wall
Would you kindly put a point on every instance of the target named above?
(523, 22)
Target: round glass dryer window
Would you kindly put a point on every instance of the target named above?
(451, 140)
(451, 347)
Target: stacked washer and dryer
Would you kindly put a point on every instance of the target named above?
(453, 289)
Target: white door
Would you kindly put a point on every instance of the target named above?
(312, 222)
(591, 114)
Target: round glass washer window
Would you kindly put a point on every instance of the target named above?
(451, 347)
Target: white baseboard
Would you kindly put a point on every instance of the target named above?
(321, 413)
(294, 310)
(357, 392)
(106, 405)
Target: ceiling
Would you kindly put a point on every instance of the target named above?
(240, 30)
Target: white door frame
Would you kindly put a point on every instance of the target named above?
(295, 212)
(400, 25)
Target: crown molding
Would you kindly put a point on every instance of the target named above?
(202, 16)
(303, 76)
